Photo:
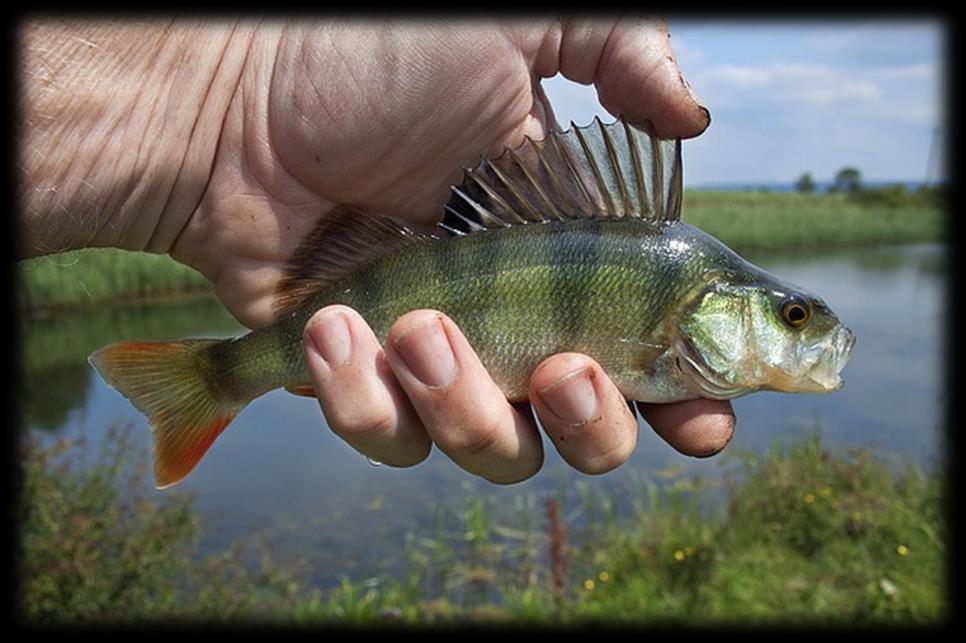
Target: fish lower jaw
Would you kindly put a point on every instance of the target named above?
(700, 377)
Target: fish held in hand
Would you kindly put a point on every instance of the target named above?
(572, 243)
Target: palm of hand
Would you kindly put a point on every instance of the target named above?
(385, 118)
(309, 131)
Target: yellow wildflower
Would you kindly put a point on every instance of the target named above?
(902, 550)
(809, 498)
(604, 577)
(589, 585)
(679, 555)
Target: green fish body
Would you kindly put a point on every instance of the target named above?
(573, 243)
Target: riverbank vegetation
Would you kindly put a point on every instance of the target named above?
(772, 221)
(92, 276)
(797, 534)
(744, 220)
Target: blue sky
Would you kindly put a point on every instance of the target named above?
(788, 97)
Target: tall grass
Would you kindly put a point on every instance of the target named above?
(749, 220)
(95, 546)
(756, 220)
(91, 276)
(799, 534)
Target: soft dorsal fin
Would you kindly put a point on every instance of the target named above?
(597, 171)
(342, 242)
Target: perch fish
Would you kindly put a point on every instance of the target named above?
(572, 243)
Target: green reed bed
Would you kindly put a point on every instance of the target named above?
(91, 276)
(761, 220)
(798, 534)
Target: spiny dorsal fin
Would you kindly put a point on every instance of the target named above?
(597, 171)
(343, 241)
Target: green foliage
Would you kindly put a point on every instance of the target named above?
(848, 179)
(750, 220)
(805, 536)
(98, 546)
(796, 534)
(805, 183)
(897, 196)
(87, 277)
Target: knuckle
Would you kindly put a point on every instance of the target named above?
(605, 461)
(472, 438)
(359, 422)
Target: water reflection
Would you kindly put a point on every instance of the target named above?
(55, 375)
(279, 470)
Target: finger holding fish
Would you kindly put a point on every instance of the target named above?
(699, 428)
(359, 396)
(464, 411)
(583, 413)
(581, 410)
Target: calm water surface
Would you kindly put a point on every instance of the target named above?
(279, 471)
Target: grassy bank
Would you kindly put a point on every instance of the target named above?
(798, 534)
(743, 220)
(767, 221)
(92, 276)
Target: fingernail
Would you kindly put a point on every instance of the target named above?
(329, 336)
(572, 398)
(427, 353)
(707, 116)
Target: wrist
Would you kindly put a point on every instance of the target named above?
(119, 128)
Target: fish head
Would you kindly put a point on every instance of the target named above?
(744, 335)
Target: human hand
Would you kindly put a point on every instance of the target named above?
(384, 116)
(296, 119)
(449, 106)
(428, 385)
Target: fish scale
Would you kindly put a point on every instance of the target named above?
(573, 243)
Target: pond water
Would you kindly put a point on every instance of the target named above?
(280, 472)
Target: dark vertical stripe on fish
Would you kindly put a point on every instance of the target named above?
(570, 255)
(486, 261)
(370, 286)
(663, 268)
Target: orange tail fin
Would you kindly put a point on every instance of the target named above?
(166, 382)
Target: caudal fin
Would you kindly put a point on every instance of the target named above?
(170, 384)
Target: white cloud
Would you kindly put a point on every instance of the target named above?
(922, 71)
(792, 98)
(742, 76)
(783, 82)
(879, 42)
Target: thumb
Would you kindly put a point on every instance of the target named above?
(635, 72)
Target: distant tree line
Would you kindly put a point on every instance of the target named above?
(848, 181)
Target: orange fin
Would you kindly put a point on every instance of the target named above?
(167, 381)
(305, 390)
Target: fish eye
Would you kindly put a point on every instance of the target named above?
(795, 311)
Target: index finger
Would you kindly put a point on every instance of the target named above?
(699, 428)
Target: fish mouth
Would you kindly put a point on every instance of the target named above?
(704, 380)
(825, 374)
